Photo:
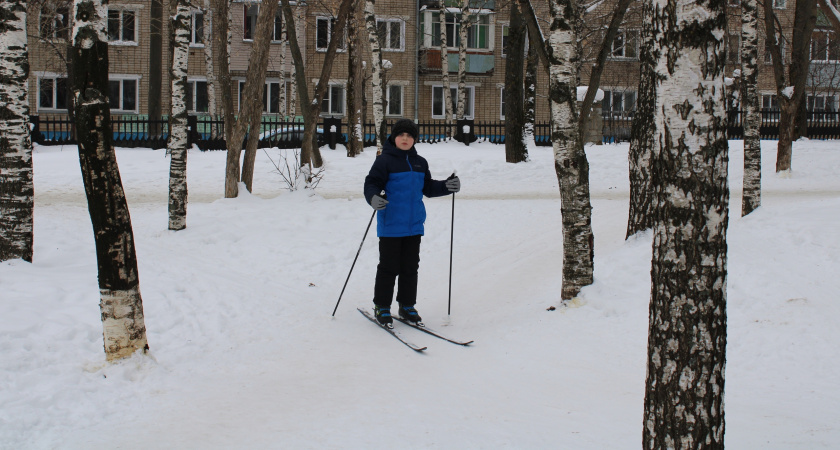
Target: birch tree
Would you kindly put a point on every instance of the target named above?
(515, 148)
(208, 61)
(530, 101)
(178, 137)
(376, 71)
(355, 82)
(444, 71)
(462, 58)
(751, 198)
(790, 86)
(121, 307)
(17, 194)
(560, 51)
(687, 330)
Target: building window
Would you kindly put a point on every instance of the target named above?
(618, 104)
(122, 27)
(52, 93)
(478, 36)
(333, 103)
(123, 94)
(250, 21)
(824, 47)
(769, 102)
(438, 111)
(502, 103)
(323, 29)
(197, 96)
(394, 98)
(197, 29)
(625, 45)
(271, 95)
(54, 22)
(768, 56)
(733, 51)
(277, 31)
(391, 35)
(779, 4)
(822, 103)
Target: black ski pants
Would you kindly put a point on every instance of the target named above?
(399, 257)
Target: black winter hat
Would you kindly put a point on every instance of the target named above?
(405, 126)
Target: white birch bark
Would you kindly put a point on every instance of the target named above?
(283, 68)
(121, 307)
(462, 58)
(208, 61)
(376, 63)
(444, 71)
(178, 135)
(687, 330)
(751, 119)
(16, 186)
(570, 161)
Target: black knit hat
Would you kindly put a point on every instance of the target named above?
(405, 126)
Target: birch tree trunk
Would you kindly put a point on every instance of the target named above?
(751, 198)
(530, 96)
(570, 161)
(178, 137)
(284, 67)
(208, 63)
(376, 71)
(516, 149)
(444, 72)
(355, 85)
(293, 85)
(643, 186)
(17, 193)
(462, 59)
(687, 330)
(121, 306)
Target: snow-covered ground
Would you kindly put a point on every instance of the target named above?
(245, 353)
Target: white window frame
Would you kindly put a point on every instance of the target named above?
(623, 92)
(54, 97)
(828, 35)
(501, 103)
(343, 45)
(266, 93)
(386, 42)
(193, 16)
(771, 99)
(122, 79)
(388, 100)
(621, 39)
(768, 57)
(328, 97)
(194, 94)
(278, 15)
(62, 23)
(122, 41)
(812, 100)
(247, 6)
(431, 36)
(470, 100)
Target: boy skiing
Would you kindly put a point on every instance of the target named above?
(404, 176)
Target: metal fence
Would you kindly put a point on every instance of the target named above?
(208, 133)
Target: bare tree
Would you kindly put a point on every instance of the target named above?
(378, 81)
(790, 87)
(355, 82)
(178, 137)
(207, 18)
(515, 148)
(119, 286)
(751, 198)
(687, 331)
(17, 195)
(466, 20)
(444, 70)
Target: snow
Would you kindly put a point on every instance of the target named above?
(244, 352)
(581, 93)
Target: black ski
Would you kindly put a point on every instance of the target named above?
(434, 333)
(391, 331)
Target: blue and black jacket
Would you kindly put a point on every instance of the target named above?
(405, 178)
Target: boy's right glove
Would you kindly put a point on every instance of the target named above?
(453, 184)
(378, 203)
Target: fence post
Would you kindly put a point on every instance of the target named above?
(192, 134)
(35, 134)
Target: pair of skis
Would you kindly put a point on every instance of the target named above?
(409, 344)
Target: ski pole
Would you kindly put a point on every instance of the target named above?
(354, 261)
(451, 241)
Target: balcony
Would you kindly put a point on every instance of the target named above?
(478, 63)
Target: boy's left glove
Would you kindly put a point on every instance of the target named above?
(453, 184)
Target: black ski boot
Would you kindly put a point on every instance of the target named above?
(410, 314)
(383, 316)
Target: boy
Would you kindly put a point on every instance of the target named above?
(404, 176)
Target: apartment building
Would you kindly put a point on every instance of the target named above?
(138, 32)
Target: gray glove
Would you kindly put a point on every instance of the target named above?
(378, 203)
(453, 184)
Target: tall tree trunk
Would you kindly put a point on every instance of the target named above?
(751, 119)
(444, 72)
(284, 66)
(805, 18)
(515, 147)
(355, 84)
(17, 194)
(687, 330)
(643, 188)
(221, 38)
(119, 287)
(293, 78)
(570, 161)
(462, 59)
(178, 136)
(376, 64)
(530, 106)
(254, 87)
(155, 64)
(208, 62)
